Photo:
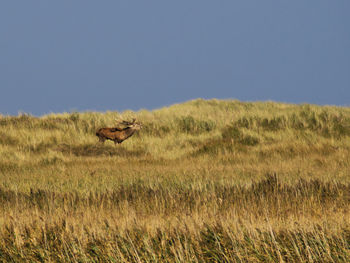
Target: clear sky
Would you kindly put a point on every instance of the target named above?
(68, 55)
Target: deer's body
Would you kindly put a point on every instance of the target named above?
(118, 135)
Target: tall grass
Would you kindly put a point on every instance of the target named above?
(203, 181)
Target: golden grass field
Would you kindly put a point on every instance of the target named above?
(203, 181)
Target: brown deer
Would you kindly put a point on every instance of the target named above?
(116, 134)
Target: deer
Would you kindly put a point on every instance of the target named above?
(116, 134)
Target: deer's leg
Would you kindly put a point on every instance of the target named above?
(101, 139)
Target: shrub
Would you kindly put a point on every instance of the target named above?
(91, 150)
(274, 124)
(235, 134)
(189, 125)
(325, 123)
(6, 139)
(153, 129)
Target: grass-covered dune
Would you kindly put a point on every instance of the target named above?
(203, 181)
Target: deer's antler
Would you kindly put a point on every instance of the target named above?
(124, 122)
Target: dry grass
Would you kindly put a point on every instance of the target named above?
(204, 181)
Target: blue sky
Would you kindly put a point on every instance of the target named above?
(58, 56)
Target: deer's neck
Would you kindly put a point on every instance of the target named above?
(128, 132)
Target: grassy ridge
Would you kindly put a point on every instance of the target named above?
(202, 181)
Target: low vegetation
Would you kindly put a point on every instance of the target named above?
(202, 181)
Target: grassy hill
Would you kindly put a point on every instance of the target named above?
(206, 180)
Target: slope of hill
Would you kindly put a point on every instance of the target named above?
(202, 181)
